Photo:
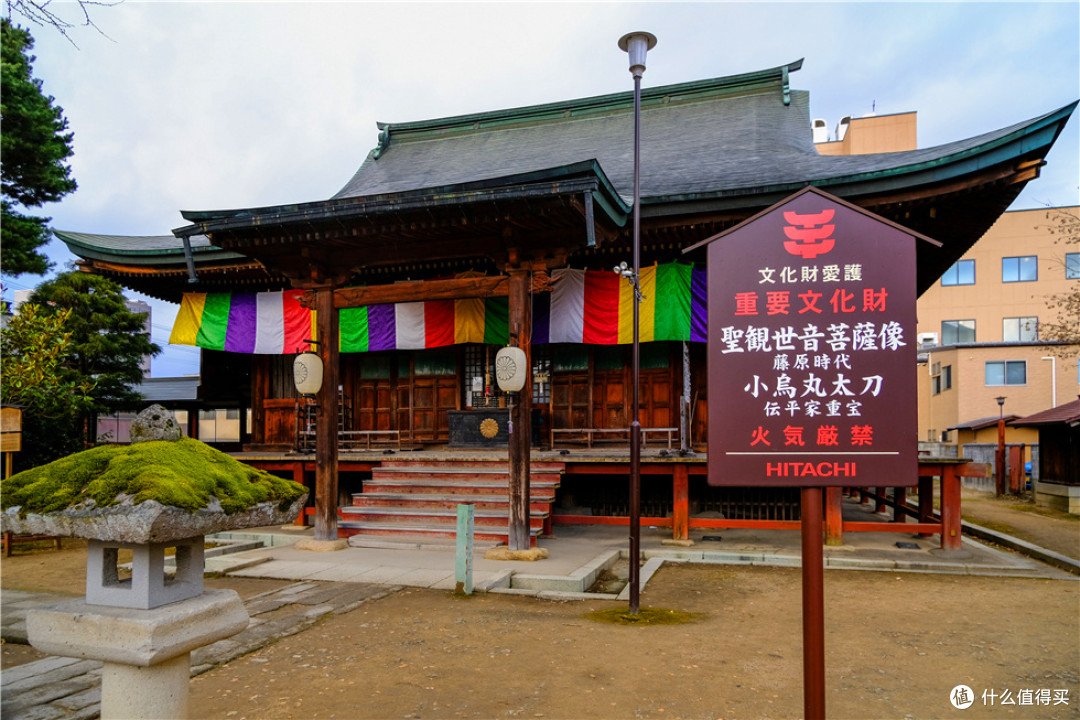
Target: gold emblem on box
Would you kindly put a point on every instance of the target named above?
(489, 428)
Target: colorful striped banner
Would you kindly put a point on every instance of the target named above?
(591, 307)
(597, 307)
(419, 325)
(266, 323)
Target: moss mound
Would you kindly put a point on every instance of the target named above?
(185, 474)
(644, 616)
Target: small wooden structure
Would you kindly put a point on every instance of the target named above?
(10, 434)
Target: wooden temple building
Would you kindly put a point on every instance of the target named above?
(460, 235)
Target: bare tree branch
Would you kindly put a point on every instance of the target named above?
(39, 13)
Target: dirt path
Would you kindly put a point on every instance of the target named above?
(1020, 518)
(896, 646)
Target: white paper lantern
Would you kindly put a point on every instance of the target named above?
(511, 365)
(308, 373)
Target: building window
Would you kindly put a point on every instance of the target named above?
(961, 273)
(1072, 266)
(1006, 372)
(957, 331)
(1020, 269)
(940, 379)
(1020, 329)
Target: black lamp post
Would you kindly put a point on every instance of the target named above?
(636, 45)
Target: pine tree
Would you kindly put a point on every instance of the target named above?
(34, 146)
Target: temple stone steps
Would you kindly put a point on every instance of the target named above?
(411, 499)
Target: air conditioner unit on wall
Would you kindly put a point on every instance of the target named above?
(927, 338)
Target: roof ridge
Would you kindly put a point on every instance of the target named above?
(760, 79)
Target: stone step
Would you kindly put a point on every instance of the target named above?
(349, 528)
(443, 501)
(503, 466)
(440, 474)
(481, 518)
(456, 487)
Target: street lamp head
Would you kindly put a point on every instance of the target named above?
(636, 44)
(1000, 400)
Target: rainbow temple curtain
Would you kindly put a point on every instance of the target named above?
(596, 307)
(585, 306)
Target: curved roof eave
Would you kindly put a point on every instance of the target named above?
(142, 249)
(925, 166)
(591, 176)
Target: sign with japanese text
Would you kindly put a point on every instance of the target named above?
(812, 352)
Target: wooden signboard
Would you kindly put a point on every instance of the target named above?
(10, 429)
(812, 352)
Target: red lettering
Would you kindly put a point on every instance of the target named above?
(746, 303)
(840, 299)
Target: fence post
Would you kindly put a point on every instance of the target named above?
(463, 581)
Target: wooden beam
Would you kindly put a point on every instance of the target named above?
(456, 289)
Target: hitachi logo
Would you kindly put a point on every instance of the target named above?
(809, 469)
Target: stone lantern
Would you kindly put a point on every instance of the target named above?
(143, 628)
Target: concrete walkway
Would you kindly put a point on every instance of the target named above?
(337, 582)
(59, 688)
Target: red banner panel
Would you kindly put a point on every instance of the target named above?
(812, 351)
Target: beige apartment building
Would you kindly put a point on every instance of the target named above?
(978, 330)
(978, 326)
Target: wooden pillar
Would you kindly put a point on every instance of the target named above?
(326, 419)
(834, 518)
(1016, 469)
(298, 476)
(521, 414)
(880, 494)
(926, 502)
(999, 460)
(900, 498)
(680, 513)
(813, 606)
(950, 508)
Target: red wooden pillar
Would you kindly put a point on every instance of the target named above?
(879, 499)
(680, 514)
(1016, 469)
(864, 496)
(999, 460)
(326, 421)
(950, 508)
(900, 497)
(298, 476)
(813, 606)
(834, 518)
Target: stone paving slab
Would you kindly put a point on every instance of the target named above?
(59, 688)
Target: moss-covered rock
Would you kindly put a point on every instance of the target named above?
(186, 474)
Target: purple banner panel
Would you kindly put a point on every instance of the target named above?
(812, 352)
(243, 325)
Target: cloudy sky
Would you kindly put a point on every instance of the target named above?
(206, 105)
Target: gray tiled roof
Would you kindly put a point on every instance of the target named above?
(692, 147)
